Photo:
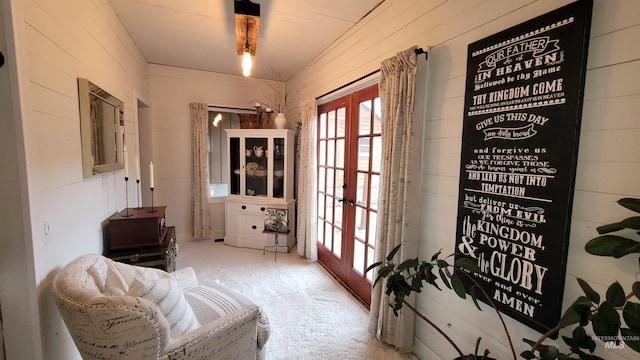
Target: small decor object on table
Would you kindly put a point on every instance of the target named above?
(277, 99)
(126, 183)
(276, 222)
(137, 163)
(280, 121)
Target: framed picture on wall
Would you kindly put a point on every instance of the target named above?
(520, 132)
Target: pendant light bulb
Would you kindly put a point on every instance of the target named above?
(246, 62)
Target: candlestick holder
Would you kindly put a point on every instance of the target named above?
(152, 209)
(138, 193)
(126, 196)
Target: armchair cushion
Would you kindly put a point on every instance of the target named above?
(214, 301)
(166, 294)
(119, 311)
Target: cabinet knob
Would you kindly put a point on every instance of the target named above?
(244, 207)
(254, 227)
(262, 208)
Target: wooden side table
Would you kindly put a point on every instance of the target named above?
(275, 245)
(136, 228)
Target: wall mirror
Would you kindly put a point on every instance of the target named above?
(101, 128)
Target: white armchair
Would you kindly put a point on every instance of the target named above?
(120, 311)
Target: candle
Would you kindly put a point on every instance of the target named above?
(126, 164)
(151, 175)
(137, 168)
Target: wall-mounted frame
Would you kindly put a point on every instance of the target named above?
(521, 126)
(101, 129)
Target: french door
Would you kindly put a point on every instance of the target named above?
(349, 156)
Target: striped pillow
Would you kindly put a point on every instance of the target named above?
(167, 295)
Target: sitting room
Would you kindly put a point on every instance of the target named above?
(330, 179)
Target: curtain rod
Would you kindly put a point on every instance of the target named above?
(418, 52)
(347, 84)
(229, 109)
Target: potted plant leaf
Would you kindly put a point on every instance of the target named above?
(411, 275)
(606, 313)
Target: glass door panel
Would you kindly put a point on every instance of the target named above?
(278, 167)
(234, 165)
(256, 166)
(368, 159)
(349, 156)
(331, 173)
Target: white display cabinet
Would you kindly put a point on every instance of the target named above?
(260, 178)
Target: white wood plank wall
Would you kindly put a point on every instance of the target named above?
(609, 153)
(57, 42)
(172, 90)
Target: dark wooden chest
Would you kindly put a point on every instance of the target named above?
(161, 256)
(135, 228)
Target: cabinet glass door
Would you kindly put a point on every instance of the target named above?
(256, 166)
(234, 165)
(278, 167)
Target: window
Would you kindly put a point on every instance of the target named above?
(218, 122)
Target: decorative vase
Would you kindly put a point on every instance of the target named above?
(280, 121)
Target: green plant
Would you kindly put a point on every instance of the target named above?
(604, 316)
(412, 274)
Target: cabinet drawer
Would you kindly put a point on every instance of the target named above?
(251, 227)
(252, 208)
(245, 222)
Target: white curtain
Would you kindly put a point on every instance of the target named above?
(306, 226)
(397, 95)
(200, 188)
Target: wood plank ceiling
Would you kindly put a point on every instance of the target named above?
(200, 34)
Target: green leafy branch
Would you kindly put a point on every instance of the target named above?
(411, 275)
(605, 316)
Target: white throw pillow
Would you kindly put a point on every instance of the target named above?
(108, 278)
(166, 294)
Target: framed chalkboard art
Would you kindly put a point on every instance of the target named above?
(521, 126)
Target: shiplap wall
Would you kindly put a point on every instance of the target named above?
(609, 153)
(57, 42)
(16, 257)
(172, 90)
(60, 41)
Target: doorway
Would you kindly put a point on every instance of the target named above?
(349, 157)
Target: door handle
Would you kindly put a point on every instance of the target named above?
(346, 201)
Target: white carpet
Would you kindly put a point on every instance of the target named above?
(311, 315)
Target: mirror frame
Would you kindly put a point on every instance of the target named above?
(85, 88)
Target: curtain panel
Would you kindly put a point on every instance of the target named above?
(306, 142)
(397, 95)
(200, 186)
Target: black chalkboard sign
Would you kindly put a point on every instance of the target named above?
(523, 106)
